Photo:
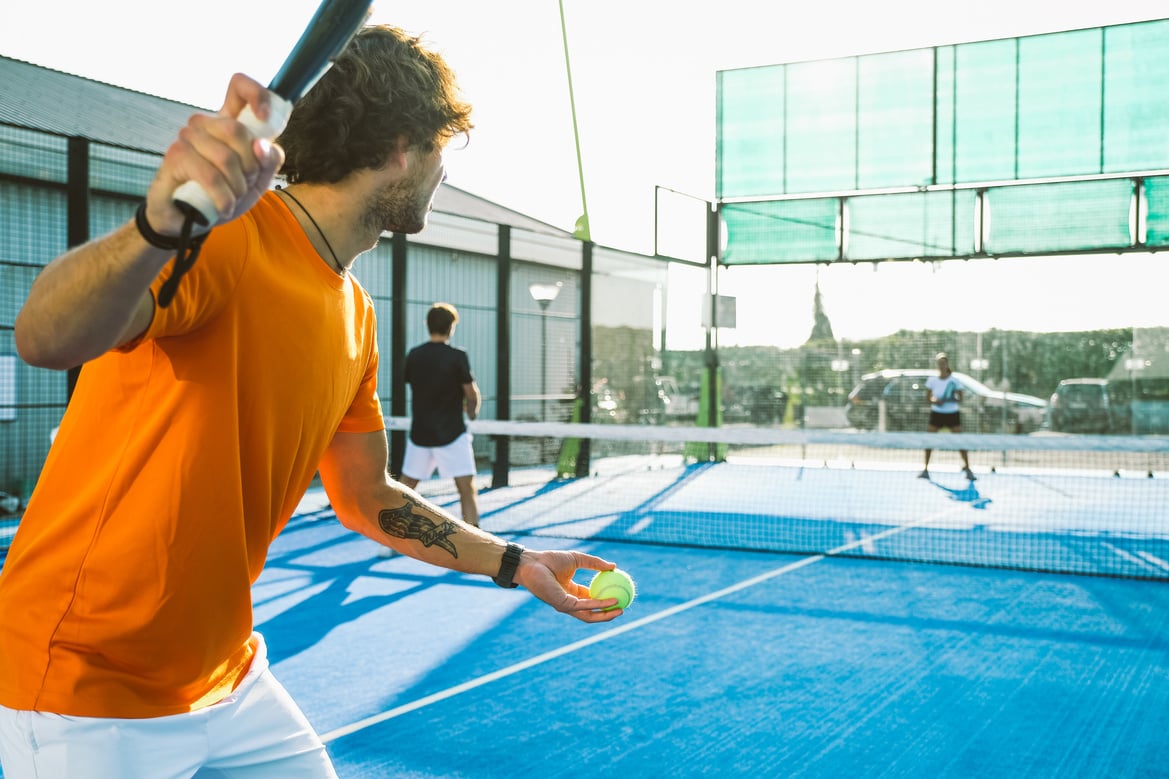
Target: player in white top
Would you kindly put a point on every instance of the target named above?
(944, 393)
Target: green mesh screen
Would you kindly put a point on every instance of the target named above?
(1156, 203)
(1059, 217)
(821, 126)
(753, 141)
(1076, 104)
(893, 147)
(1136, 103)
(1063, 217)
(916, 224)
(781, 231)
(1059, 104)
(983, 111)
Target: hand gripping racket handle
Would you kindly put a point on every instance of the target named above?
(332, 26)
(192, 199)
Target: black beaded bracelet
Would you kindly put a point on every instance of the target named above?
(155, 239)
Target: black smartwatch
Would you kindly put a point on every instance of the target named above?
(511, 559)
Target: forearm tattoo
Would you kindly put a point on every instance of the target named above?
(406, 522)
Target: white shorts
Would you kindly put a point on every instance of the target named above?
(455, 459)
(256, 731)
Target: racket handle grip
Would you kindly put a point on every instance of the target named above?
(192, 199)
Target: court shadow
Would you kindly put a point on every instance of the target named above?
(616, 523)
(542, 490)
(969, 494)
(317, 568)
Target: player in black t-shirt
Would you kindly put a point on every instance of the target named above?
(442, 389)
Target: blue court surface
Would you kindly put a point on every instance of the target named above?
(730, 662)
(742, 660)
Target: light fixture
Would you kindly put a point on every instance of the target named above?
(543, 292)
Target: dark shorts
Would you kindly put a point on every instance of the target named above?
(939, 420)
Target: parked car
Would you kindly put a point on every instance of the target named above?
(1090, 406)
(1150, 404)
(984, 410)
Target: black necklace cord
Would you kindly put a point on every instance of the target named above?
(185, 246)
(336, 262)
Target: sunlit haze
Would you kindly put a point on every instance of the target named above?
(643, 75)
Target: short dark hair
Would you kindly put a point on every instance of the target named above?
(383, 88)
(441, 318)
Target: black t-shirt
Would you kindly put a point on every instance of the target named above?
(436, 373)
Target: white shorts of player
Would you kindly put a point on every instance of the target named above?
(455, 459)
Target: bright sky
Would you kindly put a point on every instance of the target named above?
(643, 74)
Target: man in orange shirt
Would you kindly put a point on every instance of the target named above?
(196, 427)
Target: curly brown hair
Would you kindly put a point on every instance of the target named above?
(384, 87)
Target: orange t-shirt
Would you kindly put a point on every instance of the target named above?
(127, 589)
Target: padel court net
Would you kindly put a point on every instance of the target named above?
(1096, 505)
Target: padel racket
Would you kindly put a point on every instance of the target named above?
(327, 33)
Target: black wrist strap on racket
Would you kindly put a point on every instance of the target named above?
(186, 248)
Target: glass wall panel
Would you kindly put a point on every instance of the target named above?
(781, 231)
(686, 300)
(545, 341)
(895, 119)
(750, 132)
(1059, 104)
(1059, 217)
(821, 126)
(628, 308)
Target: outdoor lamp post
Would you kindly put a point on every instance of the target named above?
(544, 293)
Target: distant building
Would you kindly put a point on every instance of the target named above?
(77, 155)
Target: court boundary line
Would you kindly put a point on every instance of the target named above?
(1142, 558)
(540, 659)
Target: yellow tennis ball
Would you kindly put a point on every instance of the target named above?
(613, 584)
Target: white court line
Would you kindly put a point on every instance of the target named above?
(1152, 558)
(510, 670)
(1143, 559)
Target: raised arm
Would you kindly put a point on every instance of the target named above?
(96, 296)
(369, 502)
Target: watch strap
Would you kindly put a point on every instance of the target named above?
(507, 567)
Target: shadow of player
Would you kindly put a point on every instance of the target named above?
(968, 494)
